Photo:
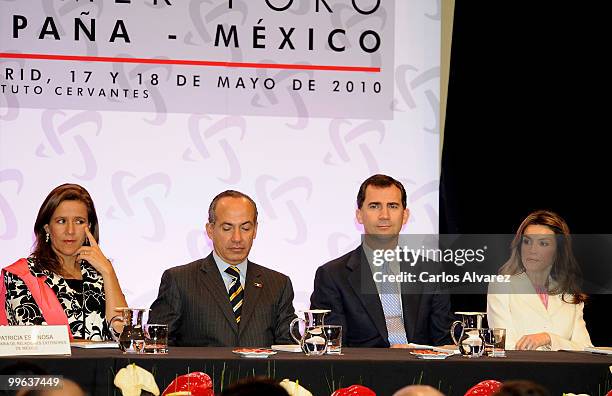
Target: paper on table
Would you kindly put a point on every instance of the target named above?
(287, 348)
(606, 350)
(94, 344)
(419, 346)
(452, 349)
(448, 348)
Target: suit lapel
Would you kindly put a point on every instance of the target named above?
(555, 303)
(528, 295)
(252, 291)
(365, 289)
(211, 280)
(533, 301)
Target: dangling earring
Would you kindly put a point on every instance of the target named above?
(47, 237)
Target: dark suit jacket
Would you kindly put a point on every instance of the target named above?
(194, 302)
(345, 286)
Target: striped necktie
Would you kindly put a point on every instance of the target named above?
(392, 307)
(236, 292)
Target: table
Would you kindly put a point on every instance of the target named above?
(384, 370)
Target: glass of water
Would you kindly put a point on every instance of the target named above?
(333, 334)
(499, 342)
(495, 342)
(156, 338)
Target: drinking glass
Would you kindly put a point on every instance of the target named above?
(156, 338)
(333, 334)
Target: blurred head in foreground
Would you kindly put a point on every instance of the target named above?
(418, 390)
(254, 386)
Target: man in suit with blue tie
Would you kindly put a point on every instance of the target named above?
(212, 301)
(379, 314)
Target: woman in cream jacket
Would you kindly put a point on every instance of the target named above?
(541, 308)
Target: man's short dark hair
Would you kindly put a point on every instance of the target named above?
(380, 181)
(231, 194)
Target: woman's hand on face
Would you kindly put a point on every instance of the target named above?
(93, 255)
(533, 341)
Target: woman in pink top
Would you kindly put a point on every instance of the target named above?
(542, 307)
(67, 279)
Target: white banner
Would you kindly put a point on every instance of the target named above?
(152, 170)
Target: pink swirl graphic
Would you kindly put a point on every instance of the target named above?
(200, 22)
(301, 111)
(221, 131)
(409, 89)
(77, 126)
(198, 245)
(77, 9)
(12, 103)
(10, 220)
(341, 141)
(421, 193)
(267, 195)
(125, 77)
(126, 199)
(339, 243)
(438, 12)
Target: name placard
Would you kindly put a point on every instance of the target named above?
(34, 340)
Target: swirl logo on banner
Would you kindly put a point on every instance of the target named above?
(156, 106)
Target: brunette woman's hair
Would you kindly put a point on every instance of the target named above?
(43, 254)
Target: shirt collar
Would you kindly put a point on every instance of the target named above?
(394, 266)
(222, 265)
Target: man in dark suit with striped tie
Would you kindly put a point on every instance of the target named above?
(225, 299)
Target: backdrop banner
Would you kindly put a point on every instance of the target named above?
(157, 106)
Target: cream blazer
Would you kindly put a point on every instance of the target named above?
(517, 307)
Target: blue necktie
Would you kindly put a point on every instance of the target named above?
(390, 299)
